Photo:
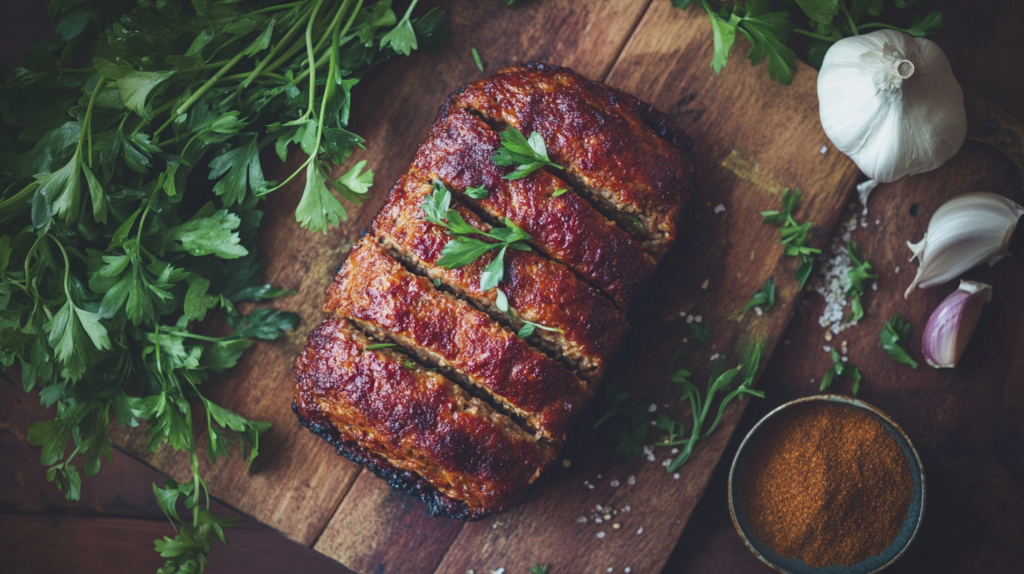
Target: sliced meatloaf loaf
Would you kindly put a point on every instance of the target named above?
(460, 394)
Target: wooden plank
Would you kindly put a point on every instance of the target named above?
(51, 544)
(298, 481)
(376, 537)
(751, 137)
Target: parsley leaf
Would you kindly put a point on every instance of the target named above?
(794, 235)
(893, 337)
(840, 368)
(538, 568)
(464, 249)
(701, 332)
(476, 58)
(559, 192)
(527, 154)
(478, 192)
(764, 298)
(402, 38)
(857, 275)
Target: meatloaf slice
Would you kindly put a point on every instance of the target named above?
(381, 296)
(413, 427)
(567, 227)
(539, 290)
(631, 159)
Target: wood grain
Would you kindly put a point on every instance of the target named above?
(768, 137)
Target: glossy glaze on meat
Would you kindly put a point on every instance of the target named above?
(538, 289)
(409, 420)
(379, 294)
(463, 413)
(629, 156)
(568, 228)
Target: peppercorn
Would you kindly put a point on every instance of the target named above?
(827, 484)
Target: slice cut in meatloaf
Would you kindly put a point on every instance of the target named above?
(589, 327)
(413, 427)
(630, 158)
(381, 296)
(421, 374)
(567, 227)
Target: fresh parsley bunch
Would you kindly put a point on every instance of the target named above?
(114, 248)
(767, 24)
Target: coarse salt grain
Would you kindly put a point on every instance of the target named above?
(827, 348)
(610, 569)
(600, 534)
(598, 520)
(675, 451)
(874, 286)
(758, 311)
(650, 457)
(704, 285)
(640, 530)
(823, 149)
(630, 481)
(676, 476)
(626, 508)
(897, 269)
(582, 520)
(653, 407)
(719, 208)
(615, 484)
(590, 486)
(499, 571)
(627, 570)
(697, 318)
(689, 318)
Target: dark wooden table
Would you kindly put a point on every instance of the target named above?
(969, 436)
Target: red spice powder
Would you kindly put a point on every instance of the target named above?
(826, 484)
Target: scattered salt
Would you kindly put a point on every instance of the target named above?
(689, 318)
(640, 530)
(582, 520)
(715, 356)
(874, 286)
(697, 318)
(675, 451)
(600, 534)
(704, 285)
(676, 476)
(627, 570)
(615, 484)
(827, 348)
(631, 481)
(719, 208)
(823, 149)
(758, 311)
(653, 407)
(598, 520)
(897, 269)
(499, 571)
(845, 359)
(590, 486)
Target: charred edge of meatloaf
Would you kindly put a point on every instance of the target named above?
(438, 504)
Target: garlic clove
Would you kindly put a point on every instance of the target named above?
(952, 323)
(890, 102)
(966, 231)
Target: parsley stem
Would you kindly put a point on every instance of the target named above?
(311, 57)
(87, 122)
(7, 205)
(813, 35)
(849, 19)
(202, 91)
(277, 47)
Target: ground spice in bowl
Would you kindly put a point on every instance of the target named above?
(825, 483)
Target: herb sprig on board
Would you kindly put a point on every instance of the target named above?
(763, 298)
(768, 26)
(857, 274)
(113, 248)
(894, 336)
(463, 248)
(794, 235)
(501, 302)
(700, 405)
(838, 369)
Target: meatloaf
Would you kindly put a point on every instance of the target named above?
(463, 395)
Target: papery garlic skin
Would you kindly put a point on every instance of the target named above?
(952, 323)
(890, 102)
(966, 231)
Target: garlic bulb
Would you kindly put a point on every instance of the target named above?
(968, 230)
(891, 103)
(952, 323)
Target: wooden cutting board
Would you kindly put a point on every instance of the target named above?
(752, 139)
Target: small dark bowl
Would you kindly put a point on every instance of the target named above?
(877, 563)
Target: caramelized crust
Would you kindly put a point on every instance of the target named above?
(400, 420)
(569, 229)
(538, 290)
(380, 295)
(631, 158)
